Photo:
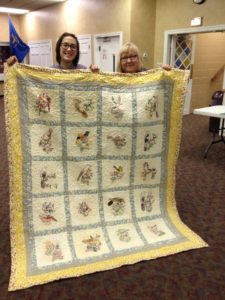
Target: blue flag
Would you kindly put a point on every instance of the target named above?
(17, 46)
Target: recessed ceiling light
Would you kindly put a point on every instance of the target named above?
(8, 10)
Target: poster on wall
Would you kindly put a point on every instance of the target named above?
(4, 54)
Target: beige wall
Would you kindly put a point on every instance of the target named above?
(176, 14)
(142, 31)
(80, 17)
(209, 58)
(4, 27)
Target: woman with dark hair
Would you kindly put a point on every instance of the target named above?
(67, 54)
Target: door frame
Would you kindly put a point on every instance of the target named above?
(7, 45)
(44, 42)
(168, 37)
(173, 44)
(169, 33)
(89, 37)
(105, 35)
(172, 60)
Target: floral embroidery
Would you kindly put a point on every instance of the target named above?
(154, 229)
(83, 106)
(151, 106)
(43, 104)
(118, 140)
(53, 250)
(46, 216)
(46, 141)
(118, 205)
(85, 175)
(148, 171)
(150, 141)
(47, 180)
(84, 209)
(123, 235)
(146, 201)
(93, 243)
(117, 173)
(115, 109)
(82, 141)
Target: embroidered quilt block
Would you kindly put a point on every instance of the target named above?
(92, 170)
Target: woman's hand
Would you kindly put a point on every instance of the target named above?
(11, 60)
(94, 68)
(167, 67)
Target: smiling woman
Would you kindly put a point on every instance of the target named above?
(67, 52)
(129, 59)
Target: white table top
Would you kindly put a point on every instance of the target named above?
(217, 111)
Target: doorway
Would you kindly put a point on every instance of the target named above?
(106, 48)
(85, 49)
(169, 38)
(182, 57)
(40, 53)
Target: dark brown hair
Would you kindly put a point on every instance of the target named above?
(58, 44)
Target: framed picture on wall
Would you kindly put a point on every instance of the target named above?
(4, 54)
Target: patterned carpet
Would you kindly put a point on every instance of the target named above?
(197, 274)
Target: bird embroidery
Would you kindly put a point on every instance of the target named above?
(85, 175)
(46, 142)
(154, 229)
(118, 140)
(152, 106)
(148, 171)
(118, 205)
(116, 111)
(93, 243)
(149, 141)
(43, 104)
(82, 140)
(83, 106)
(117, 173)
(53, 250)
(147, 200)
(47, 213)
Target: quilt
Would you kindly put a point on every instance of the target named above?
(92, 160)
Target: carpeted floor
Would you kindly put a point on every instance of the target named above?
(196, 274)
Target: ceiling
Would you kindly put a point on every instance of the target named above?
(28, 4)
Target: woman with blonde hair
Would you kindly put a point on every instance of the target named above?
(129, 60)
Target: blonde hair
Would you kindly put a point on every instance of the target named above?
(127, 49)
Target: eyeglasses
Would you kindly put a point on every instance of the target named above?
(131, 57)
(66, 46)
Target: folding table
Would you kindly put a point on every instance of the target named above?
(217, 111)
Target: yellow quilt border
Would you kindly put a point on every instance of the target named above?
(19, 279)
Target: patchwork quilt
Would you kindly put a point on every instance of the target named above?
(92, 162)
